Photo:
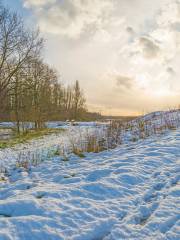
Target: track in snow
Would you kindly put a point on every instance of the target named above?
(131, 192)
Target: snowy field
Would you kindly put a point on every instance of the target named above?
(130, 192)
(43, 148)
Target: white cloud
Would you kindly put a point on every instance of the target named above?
(151, 53)
(37, 3)
(71, 17)
(124, 81)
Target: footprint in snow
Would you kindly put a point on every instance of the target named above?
(40, 195)
(156, 174)
(167, 225)
(98, 174)
(158, 186)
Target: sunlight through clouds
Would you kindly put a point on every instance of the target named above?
(103, 41)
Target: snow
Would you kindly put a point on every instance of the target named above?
(44, 147)
(130, 192)
(52, 124)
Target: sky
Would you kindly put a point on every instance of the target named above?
(125, 53)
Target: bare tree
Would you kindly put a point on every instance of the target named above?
(78, 100)
(17, 46)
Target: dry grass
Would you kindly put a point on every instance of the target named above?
(28, 136)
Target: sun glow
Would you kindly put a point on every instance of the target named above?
(157, 88)
(163, 92)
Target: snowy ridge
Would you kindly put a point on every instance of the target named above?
(161, 119)
(150, 124)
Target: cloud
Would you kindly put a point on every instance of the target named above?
(71, 17)
(130, 31)
(176, 26)
(37, 3)
(154, 53)
(124, 81)
(149, 48)
(170, 70)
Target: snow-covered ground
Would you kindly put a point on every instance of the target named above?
(44, 147)
(130, 192)
(52, 124)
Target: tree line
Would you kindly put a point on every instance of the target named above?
(29, 88)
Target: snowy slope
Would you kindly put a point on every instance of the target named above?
(131, 192)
